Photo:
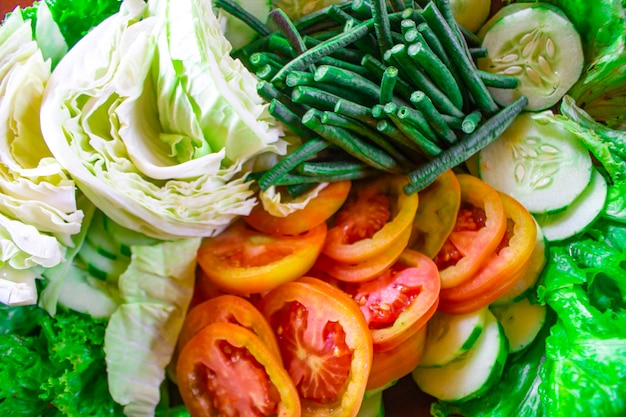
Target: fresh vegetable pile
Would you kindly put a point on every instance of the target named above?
(271, 209)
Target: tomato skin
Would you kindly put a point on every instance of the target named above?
(228, 309)
(504, 267)
(399, 302)
(393, 364)
(435, 217)
(317, 211)
(366, 269)
(328, 325)
(474, 246)
(261, 381)
(374, 216)
(244, 261)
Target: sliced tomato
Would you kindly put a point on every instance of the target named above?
(226, 370)
(374, 216)
(317, 211)
(325, 344)
(367, 269)
(393, 364)
(505, 265)
(244, 261)
(478, 230)
(436, 215)
(228, 308)
(398, 302)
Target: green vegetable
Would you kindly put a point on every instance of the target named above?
(38, 207)
(155, 120)
(52, 366)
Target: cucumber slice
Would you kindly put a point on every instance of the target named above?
(96, 298)
(126, 238)
(451, 335)
(521, 322)
(542, 166)
(537, 44)
(471, 14)
(472, 374)
(526, 283)
(99, 238)
(579, 215)
(100, 266)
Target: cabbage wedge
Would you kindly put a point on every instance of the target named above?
(156, 123)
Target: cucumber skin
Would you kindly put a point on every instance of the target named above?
(494, 375)
(520, 309)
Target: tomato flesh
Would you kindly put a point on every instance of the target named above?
(469, 219)
(383, 299)
(361, 219)
(319, 366)
(223, 380)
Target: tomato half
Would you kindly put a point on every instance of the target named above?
(317, 211)
(226, 370)
(374, 216)
(393, 364)
(244, 261)
(367, 269)
(505, 265)
(400, 301)
(436, 215)
(325, 344)
(479, 228)
(228, 309)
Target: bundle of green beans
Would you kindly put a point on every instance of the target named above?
(374, 87)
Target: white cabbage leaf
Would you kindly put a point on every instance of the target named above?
(38, 209)
(156, 123)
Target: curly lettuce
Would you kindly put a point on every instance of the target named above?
(38, 205)
(156, 123)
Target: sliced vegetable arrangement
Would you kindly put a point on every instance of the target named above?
(294, 209)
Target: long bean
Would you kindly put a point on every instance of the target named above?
(462, 150)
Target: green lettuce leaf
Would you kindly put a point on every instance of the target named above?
(156, 123)
(38, 209)
(52, 366)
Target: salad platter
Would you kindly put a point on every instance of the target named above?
(312, 208)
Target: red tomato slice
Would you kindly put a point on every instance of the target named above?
(325, 344)
(374, 216)
(244, 261)
(228, 309)
(479, 228)
(393, 364)
(503, 267)
(226, 370)
(400, 301)
(317, 211)
(367, 269)
(436, 215)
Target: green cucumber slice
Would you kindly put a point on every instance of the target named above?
(471, 375)
(451, 335)
(526, 283)
(126, 238)
(372, 406)
(100, 266)
(579, 215)
(543, 166)
(537, 44)
(521, 321)
(99, 238)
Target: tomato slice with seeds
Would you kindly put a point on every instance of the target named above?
(479, 228)
(400, 301)
(436, 215)
(504, 266)
(226, 370)
(325, 344)
(227, 308)
(244, 261)
(374, 216)
(317, 211)
(367, 269)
